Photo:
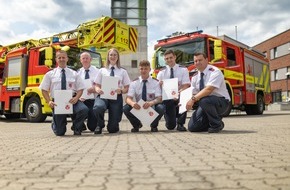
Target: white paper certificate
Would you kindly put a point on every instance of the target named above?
(146, 116)
(109, 87)
(86, 95)
(185, 96)
(170, 89)
(61, 99)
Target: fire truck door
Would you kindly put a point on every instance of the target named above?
(16, 74)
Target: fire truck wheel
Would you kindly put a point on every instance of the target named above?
(12, 116)
(258, 108)
(33, 110)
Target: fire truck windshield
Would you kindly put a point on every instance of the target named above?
(74, 58)
(184, 52)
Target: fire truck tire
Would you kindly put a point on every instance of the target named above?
(258, 108)
(12, 116)
(33, 110)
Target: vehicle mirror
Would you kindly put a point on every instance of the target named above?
(217, 50)
(48, 63)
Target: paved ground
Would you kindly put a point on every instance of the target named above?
(252, 152)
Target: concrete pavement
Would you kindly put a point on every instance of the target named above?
(252, 152)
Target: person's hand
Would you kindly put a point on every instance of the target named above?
(119, 91)
(91, 90)
(189, 104)
(146, 105)
(136, 106)
(51, 104)
(74, 100)
(99, 91)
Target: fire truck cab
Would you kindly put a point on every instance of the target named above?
(246, 71)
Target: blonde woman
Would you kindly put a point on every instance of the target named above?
(114, 107)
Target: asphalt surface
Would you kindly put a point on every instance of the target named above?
(252, 152)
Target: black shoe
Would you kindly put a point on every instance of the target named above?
(84, 127)
(98, 130)
(154, 129)
(217, 129)
(76, 132)
(180, 127)
(134, 130)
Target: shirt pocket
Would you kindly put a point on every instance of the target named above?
(71, 83)
(56, 82)
(151, 94)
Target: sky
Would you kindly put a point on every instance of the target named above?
(249, 21)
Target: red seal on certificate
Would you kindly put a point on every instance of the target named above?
(173, 93)
(67, 107)
(151, 113)
(112, 93)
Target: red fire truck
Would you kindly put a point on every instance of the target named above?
(246, 71)
(23, 64)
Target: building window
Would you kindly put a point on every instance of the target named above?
(276, 75)
(134, 63)
(275, 53)
(277, 96)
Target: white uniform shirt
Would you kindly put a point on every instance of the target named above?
(52, 81)
(121, 73)
(212, 77)
(93, 73)
(179, 72)
(152, 88)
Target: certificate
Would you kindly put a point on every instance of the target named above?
(185, 96)
(146, 116)
(61, 99)
(86, 95)
(170, 89)
(109, 87)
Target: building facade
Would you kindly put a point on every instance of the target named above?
(134, 13)
(277, 50)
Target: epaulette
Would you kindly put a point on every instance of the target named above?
(182, 66)
(123, 68)
(211, 69)
(155, 79)
(193, 72)
(162, 68)
(136, 79)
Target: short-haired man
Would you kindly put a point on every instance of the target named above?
(151, 95)
(53, 81)
(174, 70)
(211, 94)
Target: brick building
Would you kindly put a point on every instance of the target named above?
(277, 49)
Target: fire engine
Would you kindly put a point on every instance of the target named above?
(23, 64)
(246, 71)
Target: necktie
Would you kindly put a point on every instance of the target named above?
(144, 91)
(171, 73)
(112, 71)
(63, 80)
(87, 76)
(201, 82)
